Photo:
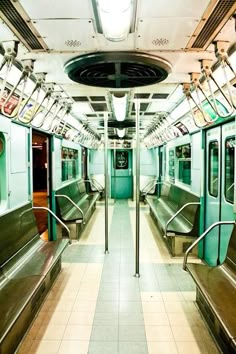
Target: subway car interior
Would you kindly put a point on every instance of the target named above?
(117, 176)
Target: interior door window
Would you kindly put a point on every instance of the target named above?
(213, 172)
(229, 169)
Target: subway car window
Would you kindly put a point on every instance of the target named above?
(229, 169)
(213, 168)
(172, 165)
(183, 154)
(69, 164)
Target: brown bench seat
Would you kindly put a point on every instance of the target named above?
(75, 205)
(216, 296)
(28, 267)
(184, 228)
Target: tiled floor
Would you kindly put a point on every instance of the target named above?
(97, 306)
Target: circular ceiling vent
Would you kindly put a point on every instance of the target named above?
(117, 69)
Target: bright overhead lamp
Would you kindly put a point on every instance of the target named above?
(121, 133)
(115, 18)
(120, 107)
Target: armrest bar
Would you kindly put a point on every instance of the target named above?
(54, 215)
(98, 183)
(146, 192)
(177, 213)
(201, 237)
(88, 180)
(72, 202)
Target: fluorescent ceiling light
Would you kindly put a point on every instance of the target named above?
(180, 110)
(115, 17)
(120, 107)
(160, 106)
(121, 133)
(82, 108)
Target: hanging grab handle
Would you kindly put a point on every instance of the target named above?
(198, 87)
(11, 50)
(67, 109)
(55, 103)
(206, 69)
(27, 70)
(47, 96)
(189, 96)
(57, 109)
(40, 79)
(221, 54)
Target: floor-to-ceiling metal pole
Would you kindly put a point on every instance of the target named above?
(106, 178)
(137, 274)
(114, 169)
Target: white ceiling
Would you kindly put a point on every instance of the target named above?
(162, 28)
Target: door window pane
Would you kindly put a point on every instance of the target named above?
(3, 179)
(69, 163)
(122, 162)
(183, 155)
(229, 169)
(213, 172)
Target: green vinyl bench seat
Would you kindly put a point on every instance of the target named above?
(28, 267)
(74, 204)
(184, 228)
(216, 295)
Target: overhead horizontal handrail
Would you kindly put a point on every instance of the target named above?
(202, 236)
(72, 202)
(40, 79)
(177, 213)
(11, 50)
(54, 215)
(26, 71)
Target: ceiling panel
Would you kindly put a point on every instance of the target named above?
(74, 34)
(163, 33)
(5, 33)
(82, 108)
(57, 9)
(160, 106)
(172, 8)
(80, 98)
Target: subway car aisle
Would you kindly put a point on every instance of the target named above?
(97, 306)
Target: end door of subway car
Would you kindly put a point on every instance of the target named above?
(121, 174)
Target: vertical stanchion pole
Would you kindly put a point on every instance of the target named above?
(137, 274)
(106, 178)
(114, 169)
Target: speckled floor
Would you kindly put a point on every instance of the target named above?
(97, 306)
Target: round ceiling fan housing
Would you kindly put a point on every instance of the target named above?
(117, 70)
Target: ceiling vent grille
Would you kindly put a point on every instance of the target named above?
(160, 96)
(117, 69)
(80, 98)
(18, 25)
(222, 11)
